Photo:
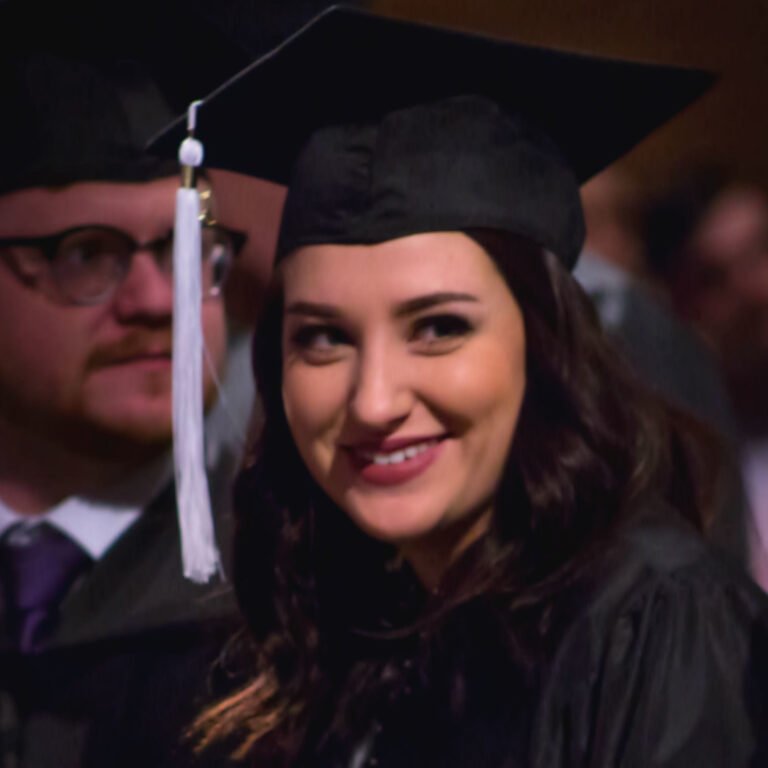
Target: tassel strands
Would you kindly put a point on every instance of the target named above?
(198, 543)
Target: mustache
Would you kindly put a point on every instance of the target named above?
(139, 343)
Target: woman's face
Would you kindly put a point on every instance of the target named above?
(403, 378)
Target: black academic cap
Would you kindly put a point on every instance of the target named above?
(76, 121)
(85, 83)
(384, 128)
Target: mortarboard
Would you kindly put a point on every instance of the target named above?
(83, 92)
(74, 120)
(382, 128)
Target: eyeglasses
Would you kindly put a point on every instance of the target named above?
(89, 262)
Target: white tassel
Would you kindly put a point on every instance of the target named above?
(198, 542)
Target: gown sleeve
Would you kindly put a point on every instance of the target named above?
(669, 670)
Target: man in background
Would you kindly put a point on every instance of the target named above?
(708, 243)
(658, 345)
(664, 352)
(105, 650)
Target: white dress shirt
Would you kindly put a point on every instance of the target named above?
(755, 469)
(96, 523)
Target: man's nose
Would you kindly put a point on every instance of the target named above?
(381, 394)
(146, 291)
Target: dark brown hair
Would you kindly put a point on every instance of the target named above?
(589, 447)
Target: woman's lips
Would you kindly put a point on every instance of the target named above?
(394, 464)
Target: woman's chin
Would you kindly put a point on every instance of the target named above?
(395, 524)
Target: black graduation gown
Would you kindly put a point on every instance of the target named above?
(128, 666)
(661, 662)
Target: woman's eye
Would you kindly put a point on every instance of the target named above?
(319, 340)
(440, 331)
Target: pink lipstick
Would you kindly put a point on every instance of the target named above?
(396, 461)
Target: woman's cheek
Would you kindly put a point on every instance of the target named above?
(314, 398)
(456, 387)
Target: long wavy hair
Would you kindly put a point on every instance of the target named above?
(326, 606)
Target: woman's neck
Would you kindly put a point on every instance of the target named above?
(431, 556)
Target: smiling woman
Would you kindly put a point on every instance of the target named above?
(381, 389)
(466, 536)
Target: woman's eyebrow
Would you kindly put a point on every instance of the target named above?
(311, 308)
(427, 301)
(408, 307)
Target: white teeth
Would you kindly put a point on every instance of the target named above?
(396, 457)
(391, 458)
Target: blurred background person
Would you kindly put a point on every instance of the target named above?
(660, 347)
(708, 245)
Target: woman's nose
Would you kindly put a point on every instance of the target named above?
(381, 395)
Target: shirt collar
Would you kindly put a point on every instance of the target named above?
(97, 522)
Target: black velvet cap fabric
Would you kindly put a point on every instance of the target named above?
(77, 121)
(455, 164)
(382, 128)
(85, 84)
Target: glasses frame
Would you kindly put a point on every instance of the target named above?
(48, 246)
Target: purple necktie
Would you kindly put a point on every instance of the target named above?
(37, 566)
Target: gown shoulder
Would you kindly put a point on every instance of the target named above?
(664, 663)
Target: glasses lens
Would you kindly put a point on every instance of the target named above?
(90, 263)
(217, 253)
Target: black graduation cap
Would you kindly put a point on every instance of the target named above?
(74, 120)
(85, 84)
(383, 128)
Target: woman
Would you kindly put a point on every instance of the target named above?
(463, 539)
